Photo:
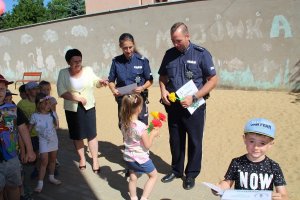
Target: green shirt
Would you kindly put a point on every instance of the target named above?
(28, 109)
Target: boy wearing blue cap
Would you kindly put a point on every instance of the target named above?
(254, 170)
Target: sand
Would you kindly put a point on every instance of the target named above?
(227, 112)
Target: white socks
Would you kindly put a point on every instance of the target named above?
(39, 186)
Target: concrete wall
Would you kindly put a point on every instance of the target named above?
(255, 44)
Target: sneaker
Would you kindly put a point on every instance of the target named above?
(55, 181)
(38, 189)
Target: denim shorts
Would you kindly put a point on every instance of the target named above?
(146, 167)
(10, 173)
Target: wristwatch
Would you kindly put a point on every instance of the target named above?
(195, 99)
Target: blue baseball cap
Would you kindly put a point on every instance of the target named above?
(9, 93)
(31, 85)
(260, 126)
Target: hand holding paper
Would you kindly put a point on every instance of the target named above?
(218, 190)
(128, 89)
(190, 89)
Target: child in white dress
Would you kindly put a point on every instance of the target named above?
(45, 122)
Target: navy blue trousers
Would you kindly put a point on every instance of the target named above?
(181, 124)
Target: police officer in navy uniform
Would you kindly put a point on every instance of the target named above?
(128, 68)
(182, 63)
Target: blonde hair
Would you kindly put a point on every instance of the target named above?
(130, 104)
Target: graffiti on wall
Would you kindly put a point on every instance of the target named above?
(237, 70)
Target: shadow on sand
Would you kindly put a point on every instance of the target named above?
(74, 185)
(117, 179)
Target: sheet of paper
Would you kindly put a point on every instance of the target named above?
(213, 187)
(190, 89)
(247, 195)
(128, 89)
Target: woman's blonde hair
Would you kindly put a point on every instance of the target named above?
(130, 104)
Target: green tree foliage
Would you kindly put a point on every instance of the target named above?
(58, 9)
(77, 7)
(24, 13)
(27, 12)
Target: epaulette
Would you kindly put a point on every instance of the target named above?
(198, 48)
(140, 57)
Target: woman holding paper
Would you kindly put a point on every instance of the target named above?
(132, 70)
(75, 85)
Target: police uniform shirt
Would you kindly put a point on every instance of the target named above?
(249, 175)
(195, 63)
(126, 72)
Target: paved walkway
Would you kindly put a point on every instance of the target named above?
(110, 184)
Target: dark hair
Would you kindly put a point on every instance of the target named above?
(126, 36)
(182, 26)
(42, 83)
(22, 89)
(38, 99)
(129, 105)
(72, 52)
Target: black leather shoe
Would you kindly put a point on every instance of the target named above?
(188, 183)
(168, 178)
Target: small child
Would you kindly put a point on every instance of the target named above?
(45, 122)
(254, 170)
(137, 143)
(27, 105)
(45, 87)
(8, 97)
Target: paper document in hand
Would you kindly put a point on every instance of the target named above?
(214, 187)
(128, 89)
(247, 195)
(240, 194)
(190, 89)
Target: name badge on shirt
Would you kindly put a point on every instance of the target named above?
(191, 62)
(138, 67)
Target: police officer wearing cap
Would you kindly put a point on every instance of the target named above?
(182, 63)
(129, 68)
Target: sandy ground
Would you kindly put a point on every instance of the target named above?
(227, 112)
